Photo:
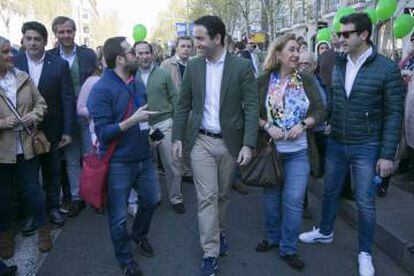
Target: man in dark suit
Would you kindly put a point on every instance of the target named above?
(221, 92)
(51, 75)
(82, 63)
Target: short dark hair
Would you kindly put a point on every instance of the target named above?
(35, 26)
(241, 45)
(214, 26)
(361, 21)
(61, 20)
(146, 43)
(113, 48)
(184, 37)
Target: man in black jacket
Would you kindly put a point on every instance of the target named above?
(366, 109)
(51, 74)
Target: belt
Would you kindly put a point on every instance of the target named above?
(211, 134)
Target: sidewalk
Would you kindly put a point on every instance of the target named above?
(394, 231)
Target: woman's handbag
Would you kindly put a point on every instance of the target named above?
(40, 143)
(94, 174)
(265, 169)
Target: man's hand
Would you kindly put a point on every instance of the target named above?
(10, 122)
(142, 114)
(295, 132)
(245, 156)
(384, 167)
(28, 120)
(276, 133)
(177, 149)
(64, 141)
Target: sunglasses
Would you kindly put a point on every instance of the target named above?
(345, 34)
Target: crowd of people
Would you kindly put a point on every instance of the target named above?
(199, 116)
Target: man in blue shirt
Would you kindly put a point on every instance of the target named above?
(131, 165)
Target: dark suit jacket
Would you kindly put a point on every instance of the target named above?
(239, 105)
(55, 85)
(86, 58)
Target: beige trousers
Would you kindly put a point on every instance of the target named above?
(213, 169)
(172, 167)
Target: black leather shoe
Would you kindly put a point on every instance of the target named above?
(179, 208)
(28, 228)
(56, 218)
(76, 208)
(132, 270)
(145, 248)
(9, 271)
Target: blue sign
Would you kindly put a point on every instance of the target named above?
(182, 28)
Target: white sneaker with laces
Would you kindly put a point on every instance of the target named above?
(132, 209)
(366, 268)
(315, 236)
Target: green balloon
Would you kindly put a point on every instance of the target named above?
(139, 33)
(385, 9)
(344, 11)
(403, 25)
(372, 15)
(324, 35)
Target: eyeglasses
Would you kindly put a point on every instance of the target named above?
(345, 34)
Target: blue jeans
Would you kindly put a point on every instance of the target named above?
(284, 204)
(80, 145)
(121, 178)
(26, 174)
(362, 159)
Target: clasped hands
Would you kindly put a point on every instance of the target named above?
(278, 133)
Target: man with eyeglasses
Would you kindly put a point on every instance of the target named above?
(365, 109)
(117, 106)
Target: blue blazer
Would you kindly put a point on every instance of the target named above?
(86, 58)
(55, 85)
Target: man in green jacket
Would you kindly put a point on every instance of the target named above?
(221, 92)
(161, 97)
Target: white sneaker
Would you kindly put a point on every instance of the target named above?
(315, 236)
(132, 209)
(366, 267)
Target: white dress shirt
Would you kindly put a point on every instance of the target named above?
(145, 74)
(352, 69)
(9, 85)
(211, 114)
(35, 68)
(69, 58)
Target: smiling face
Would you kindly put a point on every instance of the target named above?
(144, 55)
(206, 46)
(289, 55)
(6, 56)
(323, 47)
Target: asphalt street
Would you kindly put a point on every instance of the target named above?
(83, 246)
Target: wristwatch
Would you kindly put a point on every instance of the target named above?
(303, 124)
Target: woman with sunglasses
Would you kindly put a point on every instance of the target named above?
(290, 107)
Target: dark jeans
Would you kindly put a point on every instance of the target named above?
(362, 158)
(51, 170)
(26, 174)
(122, 177)
(320, 140)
